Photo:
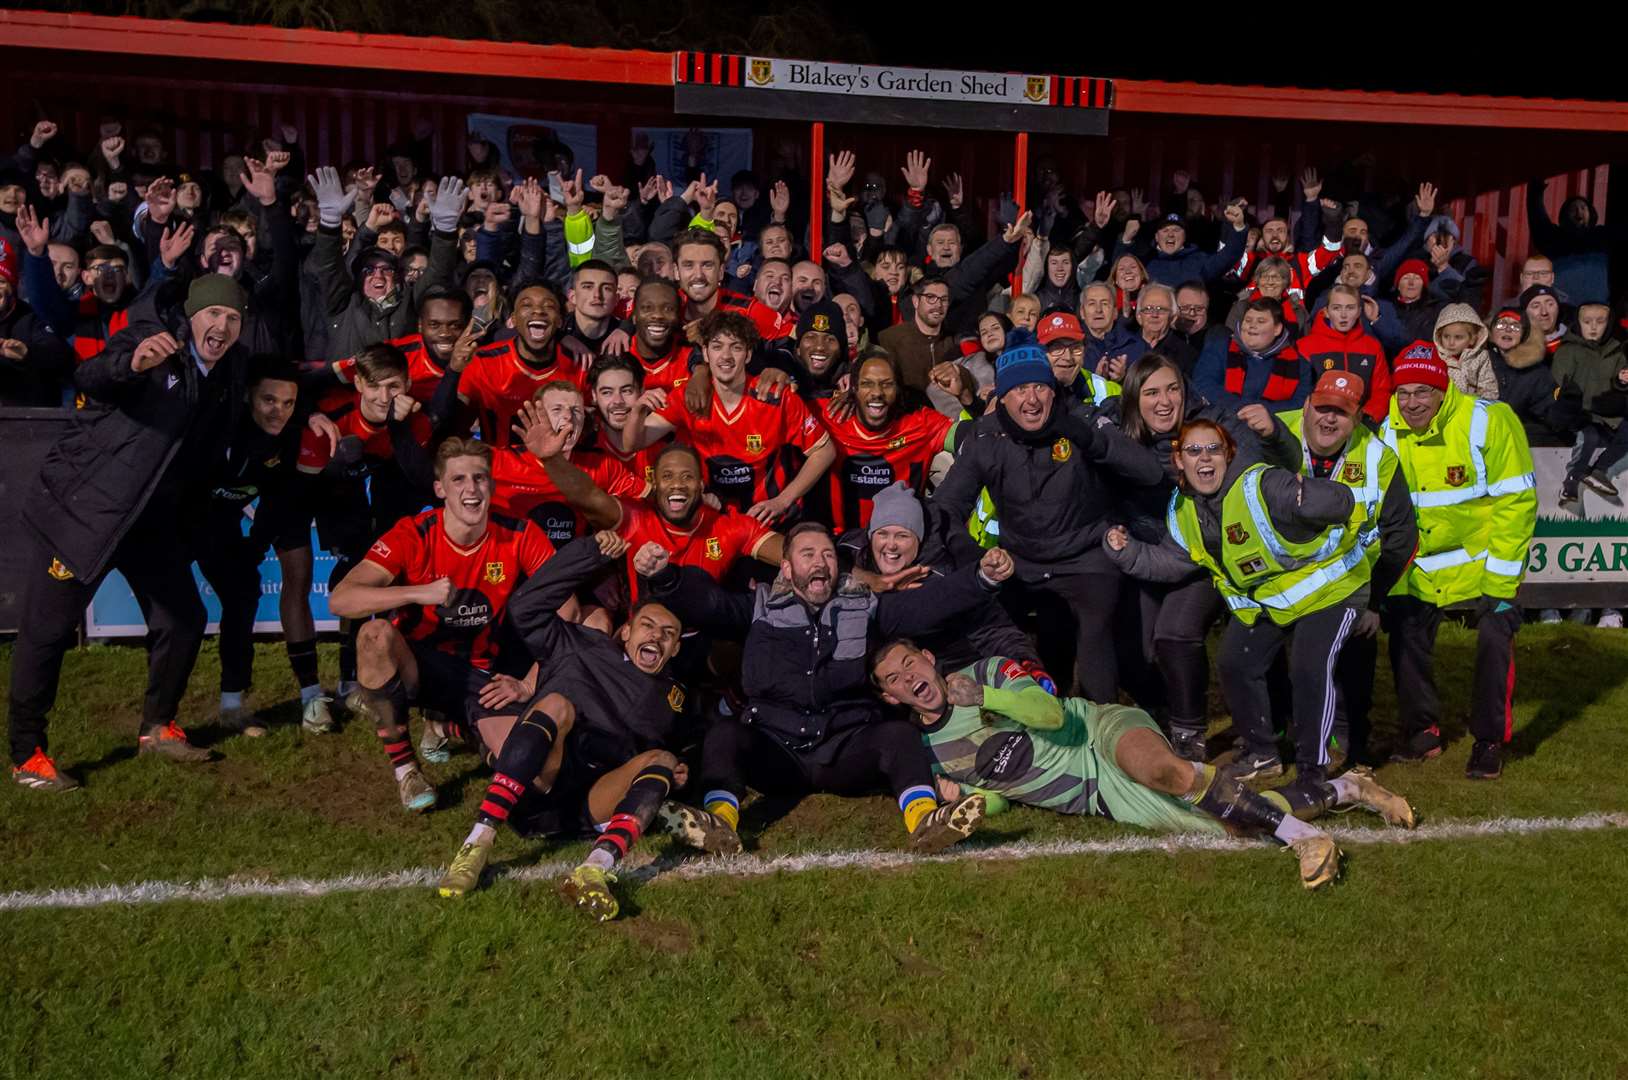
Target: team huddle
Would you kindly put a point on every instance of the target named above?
(644, 566)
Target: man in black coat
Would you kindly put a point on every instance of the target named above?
(161, 403)
(812, 722)
(35, 364)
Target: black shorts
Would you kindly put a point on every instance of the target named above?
(563, 812)
(450, 686)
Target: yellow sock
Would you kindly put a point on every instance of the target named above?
(724, 807)
(915, 804)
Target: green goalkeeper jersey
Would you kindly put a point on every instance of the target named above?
(1022, 743)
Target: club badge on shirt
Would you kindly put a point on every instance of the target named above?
(1456, 476)
(495, 574)
(1353, 473)
(754, 443)
(715, 548)
(1237, 534)
(1062, 450)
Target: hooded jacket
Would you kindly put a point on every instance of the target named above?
(1592, 366)
(1355, 351)
(1471, 371)
(1527, 384)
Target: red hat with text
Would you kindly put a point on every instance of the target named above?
(1341, 389)
(1419, 365)
(1059, 326)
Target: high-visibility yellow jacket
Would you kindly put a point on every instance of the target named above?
(1366, 467)
(1470, 476)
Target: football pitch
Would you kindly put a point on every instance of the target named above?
(272, 914)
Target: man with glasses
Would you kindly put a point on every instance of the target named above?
(1061, 335)
(1155, 314)
(1469, 468)
(920, 343)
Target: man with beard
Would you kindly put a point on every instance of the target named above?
(751, 447)
(593, 750)
(36, 366)
(521, 486)
(661, 352)
(698, 259)
(1337, 446)
(920, 343)
(377, 307)
(811, 724)
(447, 575)
(162, 401)
(443, 343)
(1542, 306)
(902, 547)
(771, 300)
(818, 358)
(879, 442)
(1275, 241)
(1256, 365)
(258, 469)
(593, 303)
(505, 375)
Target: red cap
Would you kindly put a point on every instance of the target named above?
(1059, 326)
(1412, 266)
(8, 263)
(1419, 365)
(1342, 389)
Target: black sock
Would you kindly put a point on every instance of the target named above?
(302, 657)
(389, 706)
(347, 653)
(522, 758)
(636, 811)
(1230, 802)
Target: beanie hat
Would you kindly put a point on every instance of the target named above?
(1412, 266)
(214, 290)
(1534, 291)
(374, 256)
(897, 505)
(1419, 364)
(1021, 363)
(824, 317)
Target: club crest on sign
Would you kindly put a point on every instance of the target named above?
(1353, 472)
(1456, 476)
(761, 72)
(1035, 88)
(1236, 534)
(1062, 450)
(754, 443)
(715, 548)
(495, 574)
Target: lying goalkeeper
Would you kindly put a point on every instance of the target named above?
(994, 729)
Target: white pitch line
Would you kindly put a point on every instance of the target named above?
(693, 867)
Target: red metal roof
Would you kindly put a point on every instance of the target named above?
(637, 67)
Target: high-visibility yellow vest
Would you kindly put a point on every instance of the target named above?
(1366, 466)
(1261, 569)
(1470, 477)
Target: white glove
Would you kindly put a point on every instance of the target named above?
(333, 201)
(448, 205)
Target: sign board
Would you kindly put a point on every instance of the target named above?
(534, 148)
(762, 86)
(719, 152)
(1579, 556)
(114, 613)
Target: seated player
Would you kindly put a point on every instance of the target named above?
(880, 441)
(521, 486)
(447, 576)
(992, 728)
(761, 456)
(505, 375)
(810, 723)
(597, 740)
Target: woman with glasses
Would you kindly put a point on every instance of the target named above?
(1285, 552)
(1170, 674)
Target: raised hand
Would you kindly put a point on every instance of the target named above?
(1440, 247)
(1102, 211)
(260, 181)
(600, 183)
(1020, 229)
(161, 199)
(448, 205)
(651, 559)
(536, 430)
(151, 352)
(112, 149)
(1311, 185)
(43, 132)
(780, 200)
(333, 201)
(839, 169)
(495, 215)
(706, 197)
(650, 189)
(1258, 419)
(616, 200)
(954, 190)
(176, 242)
(996, 565)
(573, 195)
(1426, 199)
(916, 167)
(530, 197)
(33, 230)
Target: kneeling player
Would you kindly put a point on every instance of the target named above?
(458, 566)
(597, 740)
(992, 728)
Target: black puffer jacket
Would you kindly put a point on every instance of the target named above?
(39, 378)
(804, 668)
(123, 455)
(1053, 490)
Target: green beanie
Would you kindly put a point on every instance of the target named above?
(215, 290)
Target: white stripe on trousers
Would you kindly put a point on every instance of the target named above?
(1330, 690)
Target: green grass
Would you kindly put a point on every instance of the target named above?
(1493, 958)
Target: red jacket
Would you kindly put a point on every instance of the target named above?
(1356, 351)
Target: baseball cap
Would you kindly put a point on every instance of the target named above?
(1171, 219)
(1059, 326)
(1341, 389)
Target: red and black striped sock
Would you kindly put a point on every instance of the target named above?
(502, 795)
(636, 811)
